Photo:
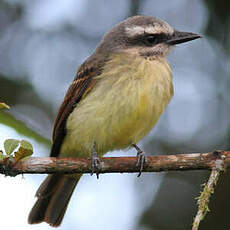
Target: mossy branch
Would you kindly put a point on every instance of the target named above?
(208, 190)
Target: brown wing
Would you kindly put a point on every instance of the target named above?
(82, 84)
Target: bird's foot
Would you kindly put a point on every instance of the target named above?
(96, 163)
(141, 159)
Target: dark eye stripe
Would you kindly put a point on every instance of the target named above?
(153, 39)
(147, 39)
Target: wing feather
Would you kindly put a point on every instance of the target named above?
(80, 87)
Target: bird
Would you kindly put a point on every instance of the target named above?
(115, 99)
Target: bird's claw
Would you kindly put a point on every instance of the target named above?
(96, 166)
(96, 163)
(141, 160)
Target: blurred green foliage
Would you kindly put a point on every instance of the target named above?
(218, 22)
(19, 126)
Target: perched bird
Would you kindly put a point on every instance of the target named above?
(116, 98)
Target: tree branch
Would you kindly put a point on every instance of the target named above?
(191, 161)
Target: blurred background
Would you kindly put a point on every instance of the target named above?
(41, 45)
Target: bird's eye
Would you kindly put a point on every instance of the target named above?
(150, 39)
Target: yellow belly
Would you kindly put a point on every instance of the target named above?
(122, 108)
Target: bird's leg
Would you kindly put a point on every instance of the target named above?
(96, 163)
(141, 158)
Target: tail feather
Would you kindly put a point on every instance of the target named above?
(48, 186)
(52, 216)
(37, 214)
(53, 198)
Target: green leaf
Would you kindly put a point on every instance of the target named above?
(4, 106)
(25, 150)
(26, 145)
(22, 153)
(10, 145)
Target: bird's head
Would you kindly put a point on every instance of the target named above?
(145, 36)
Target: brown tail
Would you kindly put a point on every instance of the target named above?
(53, 198)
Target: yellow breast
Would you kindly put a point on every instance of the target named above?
(122, 108)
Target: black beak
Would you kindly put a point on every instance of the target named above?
(181, 37)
